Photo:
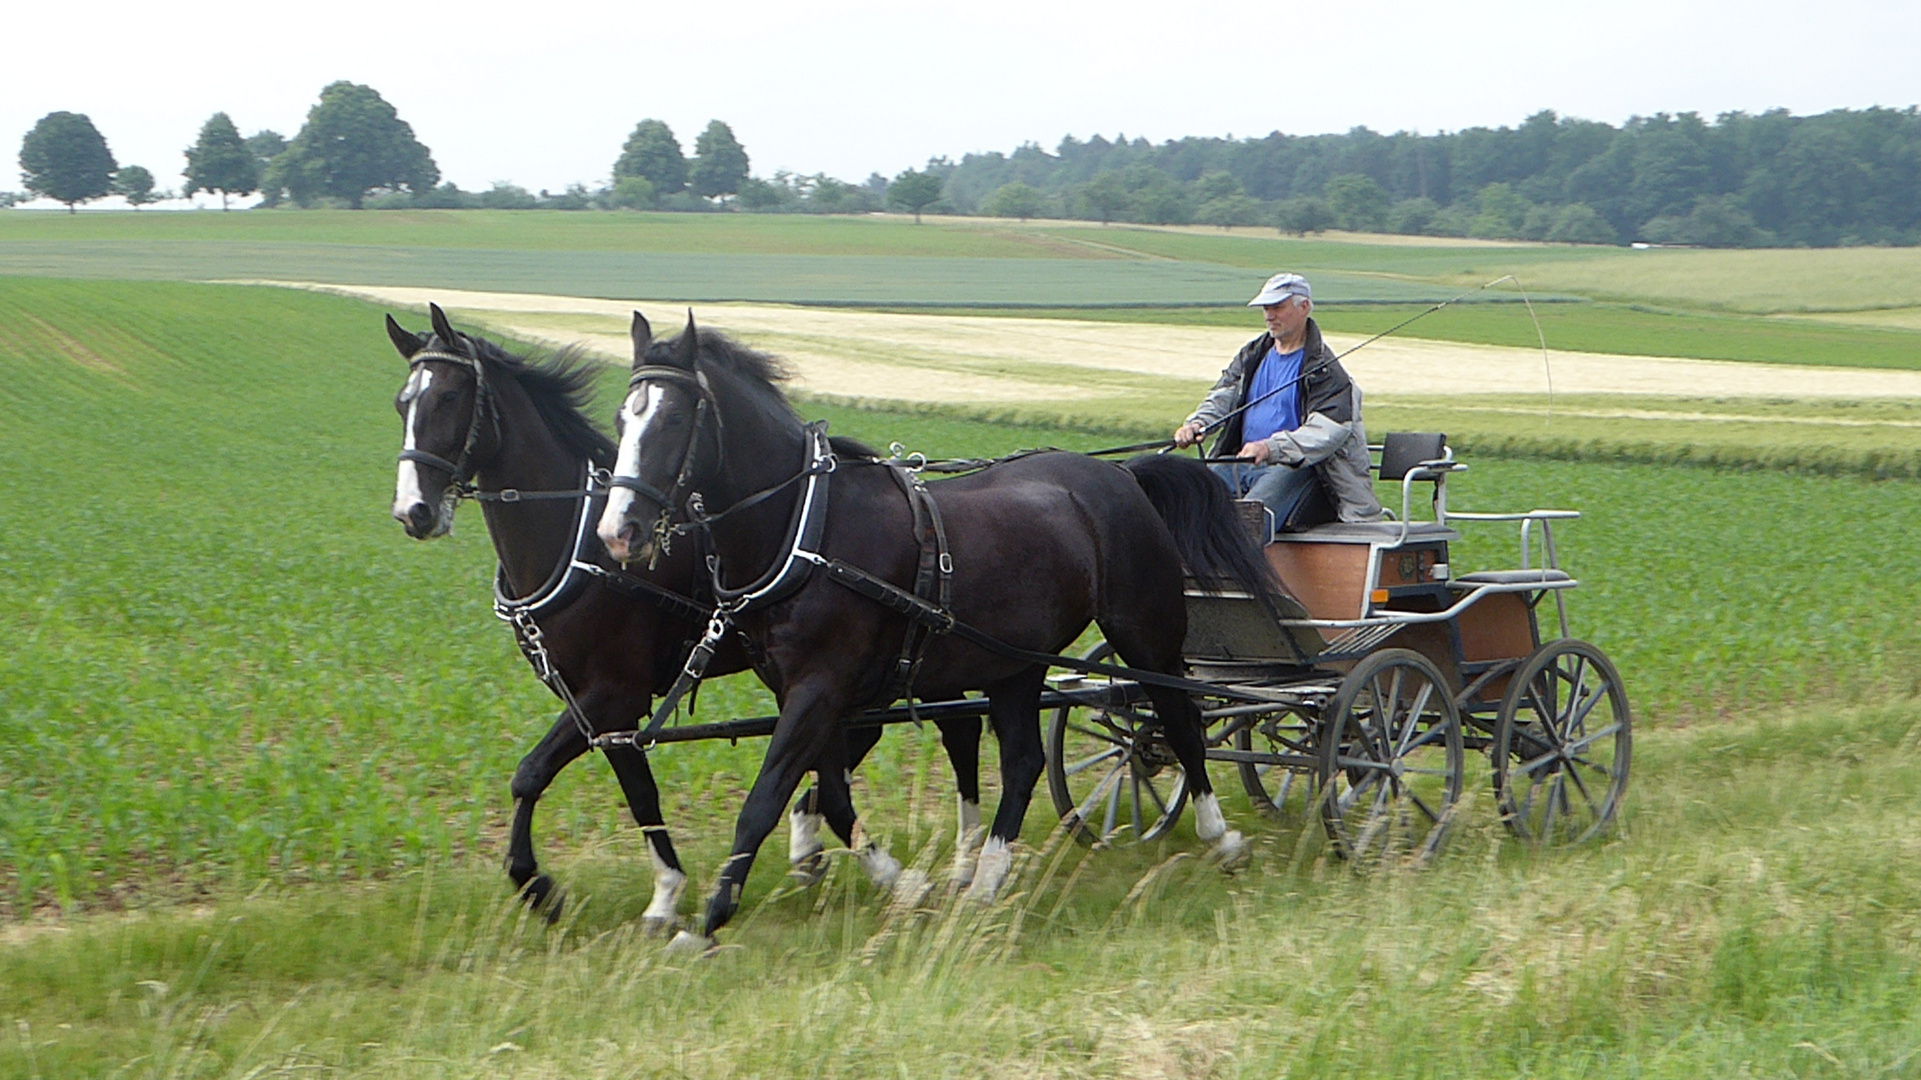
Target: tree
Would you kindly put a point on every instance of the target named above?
(720, 163)
(1230, 211)
(633, 193)
(1358, 202)
(65, 158)
(653, 154)
(220, 161)
(1580, 223)
(265, 145)
(353, 142)
(1412, 216)
(1302, 216)
(1106, 196)
(1013, 199)
(914, 191)
(135, 184)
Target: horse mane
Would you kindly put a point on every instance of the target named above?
(562, 389)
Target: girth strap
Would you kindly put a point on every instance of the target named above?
(933, 580)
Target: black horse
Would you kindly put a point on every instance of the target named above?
(473, 412)
(1040, 545)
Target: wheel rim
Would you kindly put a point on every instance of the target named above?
(1109, 784)
(1391, 760)
(1563, 746)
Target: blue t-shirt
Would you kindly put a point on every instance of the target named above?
(1282, 412)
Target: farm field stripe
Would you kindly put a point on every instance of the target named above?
(1385, 369)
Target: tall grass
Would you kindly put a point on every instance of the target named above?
(1755, 917)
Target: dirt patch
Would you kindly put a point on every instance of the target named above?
(983, 359)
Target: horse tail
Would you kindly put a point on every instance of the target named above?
(1208, 531)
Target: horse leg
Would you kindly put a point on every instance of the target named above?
(835, 778)
(806, 859)
(643, 801)
(962, 738)
(1013, 707)
(809, 719)
(1186, 735)
(562, 744)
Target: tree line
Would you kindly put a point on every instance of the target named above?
(1837, 178)
(1841, 177)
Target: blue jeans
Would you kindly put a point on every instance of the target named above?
(1280, 487)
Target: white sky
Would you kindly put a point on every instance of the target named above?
(545, 96)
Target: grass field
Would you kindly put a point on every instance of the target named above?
(255, 744)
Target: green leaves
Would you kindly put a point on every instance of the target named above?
(65, 157)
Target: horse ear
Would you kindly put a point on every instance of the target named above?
(448, 337)
(643, 335)
(405, 341)
(687, 349)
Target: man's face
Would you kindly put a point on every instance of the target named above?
(1285, 319)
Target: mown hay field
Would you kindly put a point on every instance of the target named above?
(254, 746)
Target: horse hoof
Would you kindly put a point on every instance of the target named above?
(963, 873)
(1230, 852)
(991, 872)
(807, 870)
(540, 895)
(688, 943)
(910, 888)
(882, 868)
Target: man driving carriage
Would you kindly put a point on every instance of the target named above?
(1287, 406)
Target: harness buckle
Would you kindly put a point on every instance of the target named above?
(509, 495)
(946, 563)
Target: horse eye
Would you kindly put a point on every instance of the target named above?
(447, 396)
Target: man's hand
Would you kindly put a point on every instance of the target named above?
(1258, 451)
(1187, 435)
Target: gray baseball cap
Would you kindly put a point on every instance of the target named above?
(1280, 287)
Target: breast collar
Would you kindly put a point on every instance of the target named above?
(805, 528)
(574, 570)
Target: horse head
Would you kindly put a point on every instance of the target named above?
(660, 433)
(444, 435)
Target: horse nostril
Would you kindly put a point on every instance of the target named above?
(420, 516)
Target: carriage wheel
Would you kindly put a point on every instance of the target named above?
(1561, 745)
(1391, 759)
(1111, 782)
(1270, 785)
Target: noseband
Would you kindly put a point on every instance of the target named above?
(669, 502)
(483, 408)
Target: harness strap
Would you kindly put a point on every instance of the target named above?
(933, 579)
(898, 599)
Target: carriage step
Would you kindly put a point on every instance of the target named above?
(1362, 639)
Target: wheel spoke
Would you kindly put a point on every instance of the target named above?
(1109, 734)
(1422, 803)
(1577, 718)
(1140, 827)
(1589, 740)
(1556, 792)
(1414, 714)
(1113, 811)
(1088, 763)
(1100, 787)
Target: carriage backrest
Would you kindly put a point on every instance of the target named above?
(1403, 451)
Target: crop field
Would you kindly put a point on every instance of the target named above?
(255, 743)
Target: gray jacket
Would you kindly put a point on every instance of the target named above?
(1330, 438)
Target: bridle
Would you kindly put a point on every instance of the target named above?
(664, 530)
(483, 410)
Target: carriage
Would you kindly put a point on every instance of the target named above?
(1359, 685)
(1361, 706)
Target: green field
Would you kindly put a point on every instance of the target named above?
(254, 747)
(1705, 304)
